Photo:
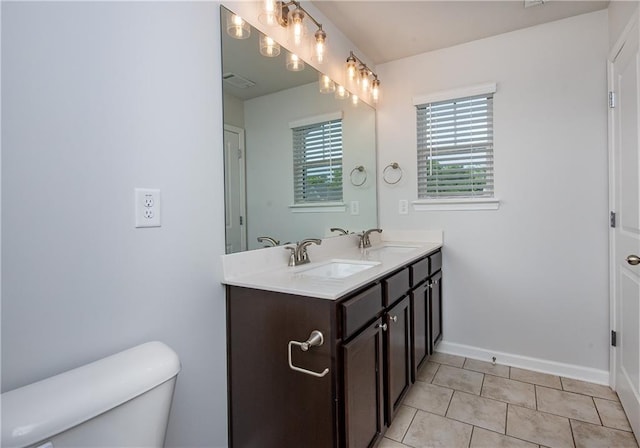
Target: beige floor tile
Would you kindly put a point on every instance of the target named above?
(539, 427)
(587, 435)
(430, 430)
(595, 390)
(567, 404)
(400, 423)
(612, 414)
(481, 438)
(511, 391)
(429, 397)
(529, 376)
(478, 411)
(459, 379)
(388, 443)
(450, 360)
(427, 371)
(487, 367)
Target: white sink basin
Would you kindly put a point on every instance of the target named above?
(339, 268)
(393, 249)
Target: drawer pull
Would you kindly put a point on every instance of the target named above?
(383, 326)
(315, 340)
(393, 318)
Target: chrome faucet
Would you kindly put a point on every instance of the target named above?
(364, 238)
(268, 239)
(299, 253)
(338, 229)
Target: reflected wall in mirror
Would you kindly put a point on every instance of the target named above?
(264, 104)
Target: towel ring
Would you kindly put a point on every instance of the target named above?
(394, 166)
(359, 169)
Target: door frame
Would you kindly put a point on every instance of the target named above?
(242, 183)
(613, 304)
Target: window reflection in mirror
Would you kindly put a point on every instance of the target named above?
(264, 106)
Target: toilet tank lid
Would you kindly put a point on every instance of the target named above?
(33, 413)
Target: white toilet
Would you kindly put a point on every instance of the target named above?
(119, 401)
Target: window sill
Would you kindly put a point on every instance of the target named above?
(320, 207)
(456, 204)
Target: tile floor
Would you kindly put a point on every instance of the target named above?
(460, 402)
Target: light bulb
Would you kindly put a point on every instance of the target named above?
(364, 80)
(321, 45)
(326, 84)
(269, 47)
(375, 90)
(341, 93)
(294, 63)
(269, 15)
(295, 23)
(351, 68)
(237, 27)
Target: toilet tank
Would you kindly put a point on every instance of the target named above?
(119, 401)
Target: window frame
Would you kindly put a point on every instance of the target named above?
(461, 202)
(298, 153)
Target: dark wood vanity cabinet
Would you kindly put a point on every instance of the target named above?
(374, 340)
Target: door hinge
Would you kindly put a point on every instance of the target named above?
(613, 338)
(241, 220)
(612, 100)
(239, 153)
(612, 219)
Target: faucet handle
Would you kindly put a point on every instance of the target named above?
(292, 255)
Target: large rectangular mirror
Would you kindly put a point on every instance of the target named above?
(297, 162)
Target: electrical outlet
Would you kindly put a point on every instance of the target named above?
(147, 207)
(355, 207)
(403, 207)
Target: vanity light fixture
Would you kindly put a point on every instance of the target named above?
(291, 15)
(294, 63)
(237, 27)
(341, 93)
(326, 84)
(269, 47)
(363, 76)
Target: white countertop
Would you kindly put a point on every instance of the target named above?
(267, 269)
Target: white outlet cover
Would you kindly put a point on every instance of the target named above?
(355, 207)
(403, 207)
(147, 207)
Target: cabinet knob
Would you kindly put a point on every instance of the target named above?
(393, 318)
(633, 260)
(383, 326)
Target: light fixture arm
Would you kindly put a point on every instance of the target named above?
(284, 6)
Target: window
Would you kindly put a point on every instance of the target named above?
(455, 147)
(317, 162)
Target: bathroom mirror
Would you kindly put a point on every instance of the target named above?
(263, 104)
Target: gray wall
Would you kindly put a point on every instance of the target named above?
(97, 99)
(529, 279)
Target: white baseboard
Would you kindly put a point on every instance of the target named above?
(524, 362)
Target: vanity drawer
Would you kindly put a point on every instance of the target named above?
(360, 309)
(419, 271)
(396, 286)
(436, 262)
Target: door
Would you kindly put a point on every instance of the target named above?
(625, 271)
(363, 419)
(398, 361)
(234, 190)
(435, 309)
(419, 327)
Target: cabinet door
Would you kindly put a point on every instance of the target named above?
(398, 360)
(435, 305)
(364, 419)
(419, 327)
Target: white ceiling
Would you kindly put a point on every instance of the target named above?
(389, 30)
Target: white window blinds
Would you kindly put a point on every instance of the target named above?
(317, 162)
(455, 148)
